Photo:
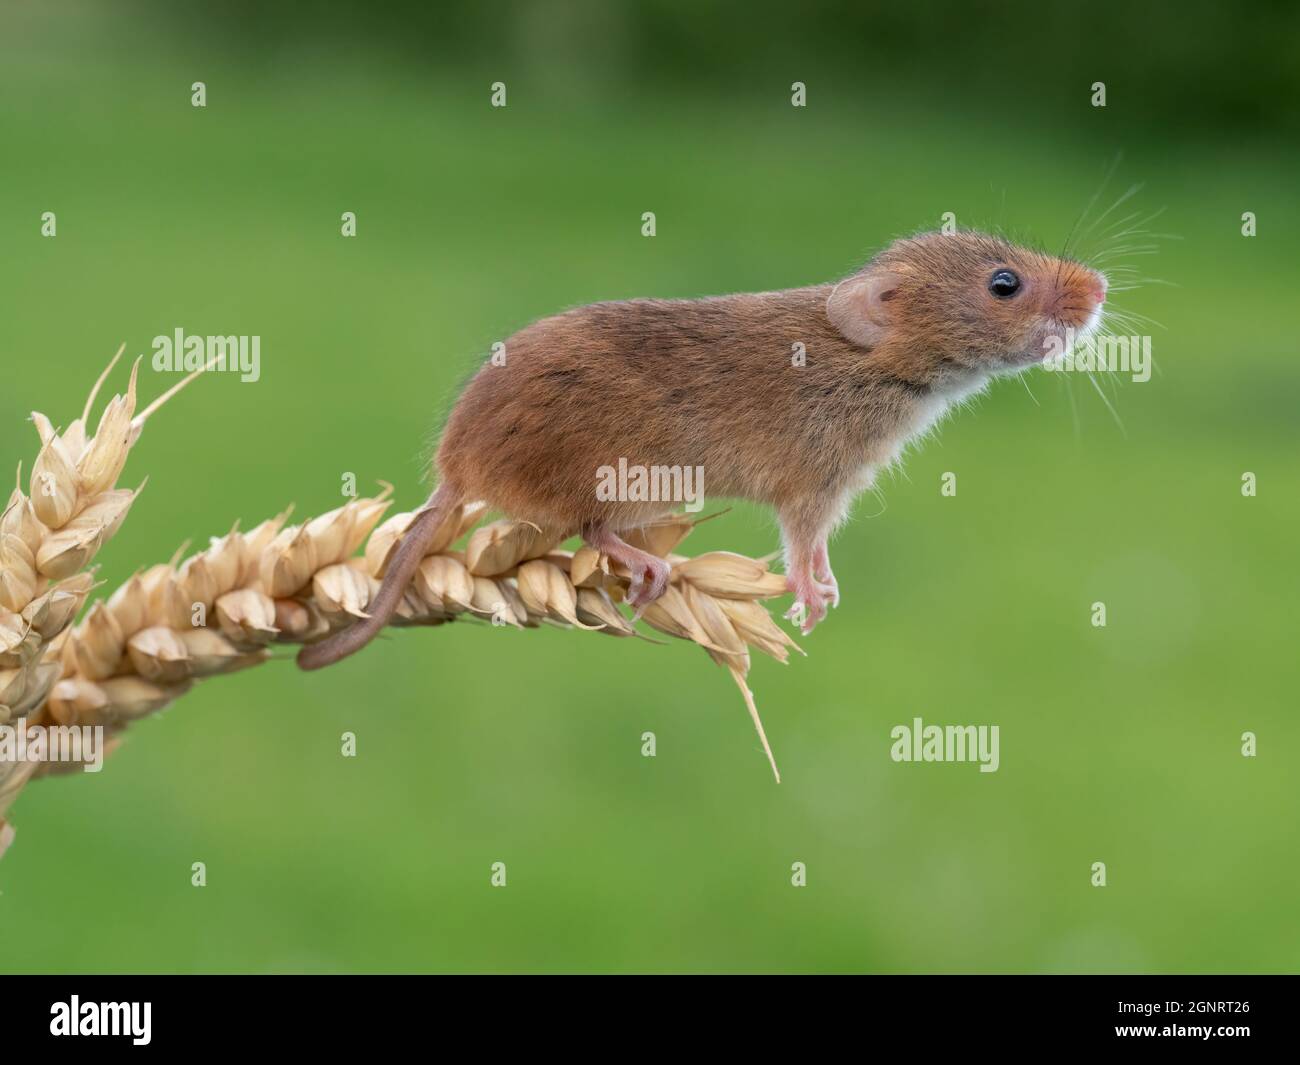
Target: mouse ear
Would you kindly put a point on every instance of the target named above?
(859, 307)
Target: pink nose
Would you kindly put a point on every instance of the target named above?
(1099, 290)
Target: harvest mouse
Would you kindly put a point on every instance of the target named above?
(710, 384)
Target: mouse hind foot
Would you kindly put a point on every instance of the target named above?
(649, 573)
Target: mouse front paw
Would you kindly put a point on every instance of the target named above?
(823, 576)
(830, 590)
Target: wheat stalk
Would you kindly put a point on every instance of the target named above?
(223, 609)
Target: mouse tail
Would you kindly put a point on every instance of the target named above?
(401, 569)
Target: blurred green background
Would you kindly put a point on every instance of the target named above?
(1119, 745)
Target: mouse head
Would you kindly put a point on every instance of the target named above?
(949, 304)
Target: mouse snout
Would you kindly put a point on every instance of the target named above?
(1078, 297)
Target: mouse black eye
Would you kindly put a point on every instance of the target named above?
(1004, 284)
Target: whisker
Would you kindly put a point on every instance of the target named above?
(1135, 317)
(1149, 234)
(1110, 253)
(1139, 223)
(1140, 282)
(1105, 180)
(1133, 190)
(1106, 256)
(1024, 382)
(1113, 412)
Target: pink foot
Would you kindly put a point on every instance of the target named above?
(650, 574)
(649, 582)
(811, 599)
(823, 576)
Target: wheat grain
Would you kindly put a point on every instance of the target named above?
(48, 536)
(223, 609)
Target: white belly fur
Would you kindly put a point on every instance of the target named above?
(926, 415)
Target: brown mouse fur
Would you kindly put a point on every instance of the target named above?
(711, 383)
